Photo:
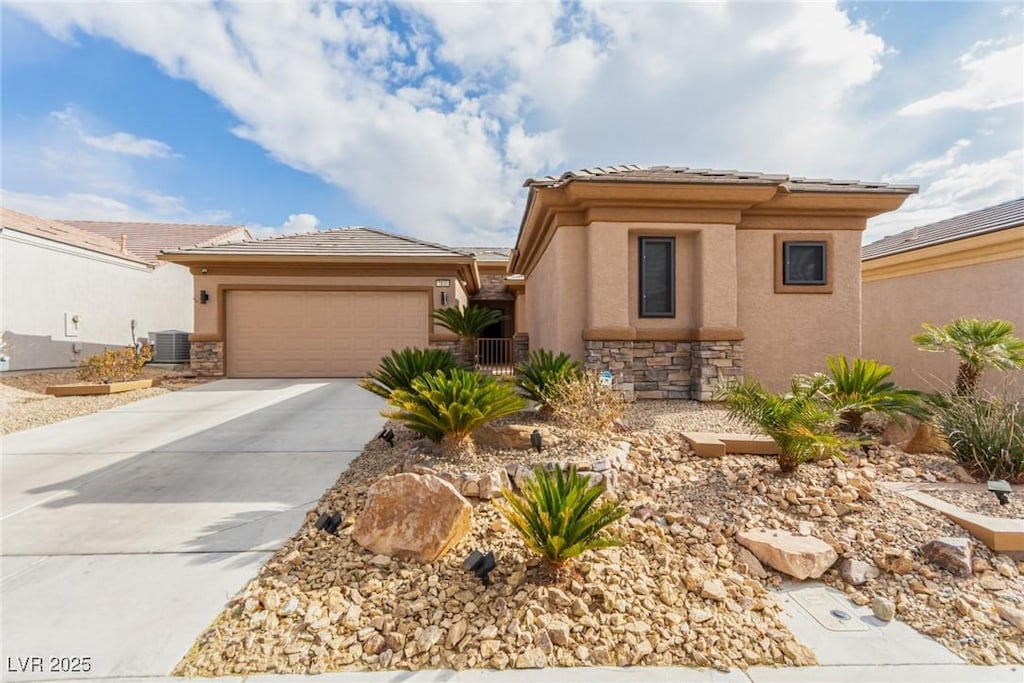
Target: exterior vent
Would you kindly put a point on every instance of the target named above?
(170, 346)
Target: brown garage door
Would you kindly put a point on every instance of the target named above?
(319, 334)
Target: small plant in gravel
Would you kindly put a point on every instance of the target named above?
(559, 517)
(539, 375)
(801, 425)
(979, 343)
(398, 369)
(446, 406)
(855, 387)
(119, 365)
(984, 433)
(579, 401)
(468, 322)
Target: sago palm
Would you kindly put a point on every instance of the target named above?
(858, 386)
(979, 343)
(800, 425)
(468, 322)
(447, 405)
(398, 369)
(558, 515)
(544, 371)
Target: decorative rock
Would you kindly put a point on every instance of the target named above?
(857, 572)
(962, 475)
(991, 581)
(514, 437)
(455, 634)
(699, 616)
(713, 589)
(801, 557)
(1012, 615)
(883, 608)
(952, 554)
(907, 473)
(926, 440)
(746, 558)
(558, 633)
(531, 658)
(412, 516)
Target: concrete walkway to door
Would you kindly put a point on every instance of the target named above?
(123, 533)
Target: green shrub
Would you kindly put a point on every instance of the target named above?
(468, 322)
(979, 343)
(398, 369)
(447, 405)
(986, 433)
(109, 366)
(538, 375)
(859, 386)
(581, 402)
(800, 425)
(558, 515)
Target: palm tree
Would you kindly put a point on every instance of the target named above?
(979, 343)
(467, 322)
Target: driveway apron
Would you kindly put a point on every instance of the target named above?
(123, 533)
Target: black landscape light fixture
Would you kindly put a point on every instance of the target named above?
(203, 296)
(535, 440)
(1002, 489)
(388, 436)
(329, 523)
(481, 565)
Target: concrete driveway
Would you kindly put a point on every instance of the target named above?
(125, 532)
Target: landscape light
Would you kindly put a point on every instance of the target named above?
(1002, 489)
(481, 565)
(329, 523)
(535, 440)
(388, 436)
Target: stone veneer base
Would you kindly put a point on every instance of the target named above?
(207, 358)
(666, 369)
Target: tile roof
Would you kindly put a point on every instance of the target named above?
(62, 232)
(707, 176)
(487, 254)
(147, 240)
(354, 241)
(992, 219)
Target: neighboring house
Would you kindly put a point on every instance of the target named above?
(966, 266)
(674, 279)
(321, 304)
(73, 288)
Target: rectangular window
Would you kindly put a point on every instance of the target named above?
(804, 263)
(657, 277)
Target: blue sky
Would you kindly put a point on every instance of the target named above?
(425, 119)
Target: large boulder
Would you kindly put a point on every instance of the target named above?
(914, 436)
(412, 516)
(802, 557)
(513, 437)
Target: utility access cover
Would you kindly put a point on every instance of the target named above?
(829, 611)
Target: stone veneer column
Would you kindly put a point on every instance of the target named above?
(715, 363)
(207, 358)
(616, 356)
(520, 347)
(453, 345)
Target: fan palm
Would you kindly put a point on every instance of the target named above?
(558, 516)
(859, 386)
(800, 425)
(467, 322)
(979, 343)
(447, 405)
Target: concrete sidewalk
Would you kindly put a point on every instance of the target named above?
(125, 532)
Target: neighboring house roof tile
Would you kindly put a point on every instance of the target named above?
(147, 240)
(992, 219)
(487, 254)
(354, 241)
(59, 231)
(708, 176)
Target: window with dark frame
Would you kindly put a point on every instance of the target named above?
(657, 277)
(804, 263)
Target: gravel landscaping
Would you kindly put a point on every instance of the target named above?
(681, 591)
(976, 498)
(24, 405)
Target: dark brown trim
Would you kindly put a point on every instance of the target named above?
(670, 240)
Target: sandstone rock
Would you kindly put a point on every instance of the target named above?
(991, 581)
(1011, 614)
(883, 608)
(926, 440)
(531, 658)
(962, 475)
(713, 589)
(558, 633)
(952, 554)
(746, 558)
(857, 572)
(514, 437)
(699, 616)
(801, 557)
(455, 634)
(412, 516)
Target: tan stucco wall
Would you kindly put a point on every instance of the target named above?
(793, 333)
(522, 313)
(208, 316)
(556, 291)
(894, 309)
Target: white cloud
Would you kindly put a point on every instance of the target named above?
(119, 143)
(992, 78)
(296, 223)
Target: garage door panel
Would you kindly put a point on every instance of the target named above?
(319, 334)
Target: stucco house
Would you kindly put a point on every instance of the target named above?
(73, 288)
(676, 278)
(970, 265)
